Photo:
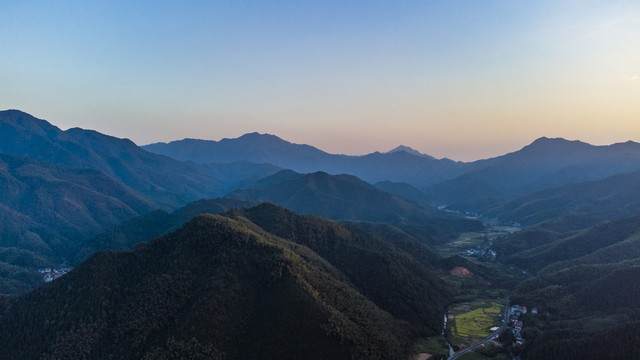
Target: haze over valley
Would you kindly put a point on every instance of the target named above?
(398, 248)
(415, 180)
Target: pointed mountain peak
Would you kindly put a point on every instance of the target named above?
(409, 150)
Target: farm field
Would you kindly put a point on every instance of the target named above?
(469, 322)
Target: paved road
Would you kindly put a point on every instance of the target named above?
(493, 335)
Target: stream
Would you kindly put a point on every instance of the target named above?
(444, 329)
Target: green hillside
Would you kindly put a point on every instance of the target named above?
(534, 249)
(217, 288)
(153, 224)
(48, 211)
(345, 197)
(586, 287)
(580, 204)
(398, 281)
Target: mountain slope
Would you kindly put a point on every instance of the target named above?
(48, 211)
(145, 227)
(345, 197)
(404, 191)
(615, 197)
(217, 288)
(542, 164)
(409, 150)
(399, 165)
(165, 181)
(396, 280)
(394, 270)
(586, 286)
(555, 248)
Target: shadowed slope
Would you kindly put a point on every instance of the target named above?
(217, 288)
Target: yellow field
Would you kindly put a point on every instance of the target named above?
(476, 323)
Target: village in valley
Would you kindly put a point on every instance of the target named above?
(514, 318)
(50, 274)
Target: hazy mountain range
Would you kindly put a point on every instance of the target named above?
(176, 283)
(544, 163)
(234, 287)
(399, 165)
(166, 182)
(345, 197)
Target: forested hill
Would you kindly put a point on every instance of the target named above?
(584, 286)
(222, 288)
(612, 198)
(48, 211)
(400, 277)
(345, 197)
(166, 182)
(545, 163)
(153, 224)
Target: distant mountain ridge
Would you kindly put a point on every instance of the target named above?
(409, 150)
(166, 182)
(402, 164)
(346, 197)
(544, 163)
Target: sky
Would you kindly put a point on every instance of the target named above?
(458, 79)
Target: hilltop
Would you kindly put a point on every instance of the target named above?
(224, 288)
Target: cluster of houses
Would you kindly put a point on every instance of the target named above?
(49, 274)
(479, 252)
(482, 250)
(514, 315)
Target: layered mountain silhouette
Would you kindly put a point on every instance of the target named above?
(166, 182)
(146, 227)
(404, 190)
(542, 164)
(260, 281)
(402, 164)
(345, 197)
(48, 210)
(227, 288)
(573, 206)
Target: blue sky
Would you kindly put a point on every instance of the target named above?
(461, 79)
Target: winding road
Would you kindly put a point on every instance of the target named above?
(493, 335)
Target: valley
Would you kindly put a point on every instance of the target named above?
(158, 250)
(478, 313)
(320, 180)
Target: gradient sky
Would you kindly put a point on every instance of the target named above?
(458, 79)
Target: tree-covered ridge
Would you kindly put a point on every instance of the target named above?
(153, 224)
(545, 163)
(216, 288)
(166, 182)
(398, 281)
(48, 211)
(537, 248)
(573, 206)
(586, 288)
(345, 197)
